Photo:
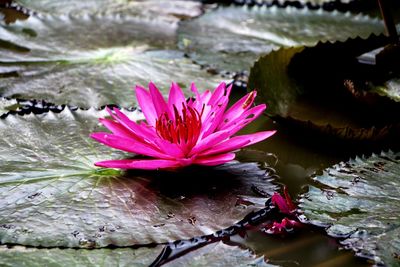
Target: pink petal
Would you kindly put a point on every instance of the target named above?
(251, 113)
(238, 142)
(146, 164)
(289, 201)
(169, 148)
(146, 105)
(239, 107)
(215, 160)
(176, 97)
(193, 88)
(227, 146)
(142, 132)
(205, 96)
(158, 101)
(217, 94)
(128, 145)
(246, 118)
(279, 201)
(215, 116)
(259, 136)
(285, 226)
(116, 128)
(210, 141)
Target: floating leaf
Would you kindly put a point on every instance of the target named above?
(234, 37)
(359, 201)
(88, 65)
(221, 255)
(6, 105)
(38, 257)
(315, 97)
(171, 11)
(52, 195)
(218, 253)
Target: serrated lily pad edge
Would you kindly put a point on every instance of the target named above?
(343, 240)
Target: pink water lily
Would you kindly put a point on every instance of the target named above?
(181, 132)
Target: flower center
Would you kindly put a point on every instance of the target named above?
(184, 129)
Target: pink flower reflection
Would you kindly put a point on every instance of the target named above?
(287, 207)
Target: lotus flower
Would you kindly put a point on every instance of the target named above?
(181, 132)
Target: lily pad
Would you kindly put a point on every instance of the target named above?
(38, 257)
(218, 253)
(309, 97)
(359, 202)
(235, 37)
(52, 195)
(88, 65)
(6, 105)
(171, 11)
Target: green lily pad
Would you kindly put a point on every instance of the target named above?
(6, 105)
(359, 201)
(56, 257)
(171, 11)
(88, 65)
(217, 253)
(52, 195)
(315, 97)
(233, 37)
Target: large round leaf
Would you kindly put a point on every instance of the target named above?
(70, 59)
(55, 257)
(52, 195)
(214, 254)
(219, 254)
(232, 38)
(359, 201)
(315, 97)
(170, 11)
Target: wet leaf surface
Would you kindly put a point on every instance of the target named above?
(358, 201)
(169, 11)
(315, 97)
(52, 195)
(219, 253)
(38, 257)
(6, 105)
(90, 65)
(232, 38)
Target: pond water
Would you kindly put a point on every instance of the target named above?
(295, 153)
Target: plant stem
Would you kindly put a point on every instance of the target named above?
(390, 26)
